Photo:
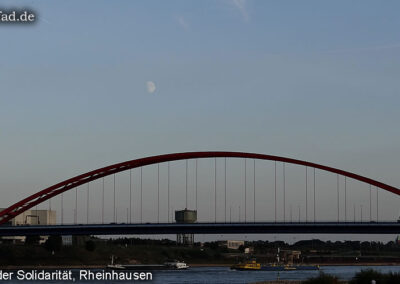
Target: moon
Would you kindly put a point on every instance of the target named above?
(151, 87)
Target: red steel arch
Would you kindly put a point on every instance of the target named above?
(43, 195)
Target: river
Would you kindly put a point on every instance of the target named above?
(226, 275)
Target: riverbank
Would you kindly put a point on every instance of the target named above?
(101, 266)
(321, 265)
(359, 264)
(97, 253)
(279, 282)
(51, 267)
(290, 282)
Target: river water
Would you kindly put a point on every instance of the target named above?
(226, 275)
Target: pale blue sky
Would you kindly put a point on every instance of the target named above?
(313, 80)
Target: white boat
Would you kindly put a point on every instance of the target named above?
(176, 264)
(114, 265)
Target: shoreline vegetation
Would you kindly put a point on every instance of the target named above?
(92, 252)
(363, 277)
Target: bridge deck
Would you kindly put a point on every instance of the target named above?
(206, 228)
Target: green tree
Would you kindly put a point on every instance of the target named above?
(365, 276)
(53, 243)
(322, 279)
(32, 240)
(90, 245)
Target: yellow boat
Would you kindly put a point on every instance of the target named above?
(249, 265)
(253, 265)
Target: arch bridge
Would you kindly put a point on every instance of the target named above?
(58, 189)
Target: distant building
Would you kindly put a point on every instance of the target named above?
(70, 240)
(31, 217)
(34, 217)
(290, 256)
(249, 250)
(67, 241)
(234, 244)
(185, 216)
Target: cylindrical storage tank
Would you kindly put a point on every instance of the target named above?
(186, 216)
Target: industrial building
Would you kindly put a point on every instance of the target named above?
(31, 217)
(185, 216)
